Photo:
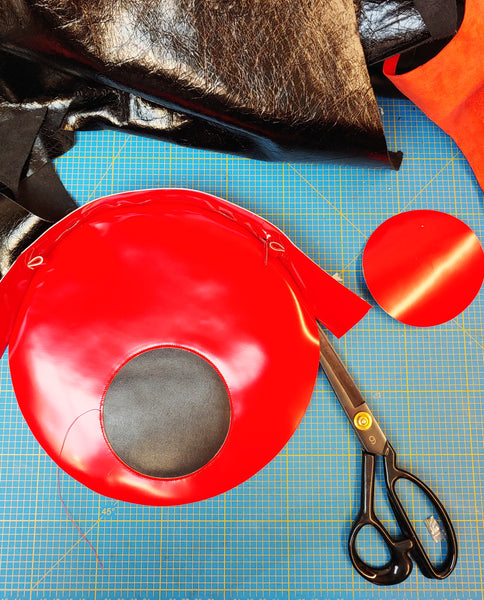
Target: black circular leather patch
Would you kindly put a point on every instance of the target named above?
(166, 413)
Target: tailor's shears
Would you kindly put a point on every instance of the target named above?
(374, 443)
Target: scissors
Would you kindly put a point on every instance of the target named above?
(374, 443)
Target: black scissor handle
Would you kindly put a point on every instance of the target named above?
(399, 567)
(392, 475)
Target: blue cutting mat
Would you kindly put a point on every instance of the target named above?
(281, 535)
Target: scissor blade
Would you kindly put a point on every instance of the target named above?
(371, 437)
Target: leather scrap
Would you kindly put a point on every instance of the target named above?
(388, 27)
(449, 88)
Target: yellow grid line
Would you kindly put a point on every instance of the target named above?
(439, 172)
(476, 504)
(106, 172)
(321, 195)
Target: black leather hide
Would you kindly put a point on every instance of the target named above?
(267, 79)
(272, 80)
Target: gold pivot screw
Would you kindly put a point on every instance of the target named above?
(363, 421)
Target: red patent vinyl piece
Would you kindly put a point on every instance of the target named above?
(449, 88)
(176, 269)
(423, 267)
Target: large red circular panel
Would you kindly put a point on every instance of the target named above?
(134, 275)
(423, 267)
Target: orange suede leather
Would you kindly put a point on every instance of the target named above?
(449, 88)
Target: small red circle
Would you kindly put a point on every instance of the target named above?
(423, 267)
